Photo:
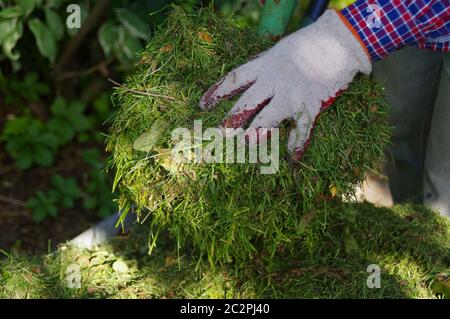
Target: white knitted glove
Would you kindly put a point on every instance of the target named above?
(295, 79)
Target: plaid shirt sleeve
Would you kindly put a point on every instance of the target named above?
(385, 26)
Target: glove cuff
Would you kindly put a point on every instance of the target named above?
(337, 25)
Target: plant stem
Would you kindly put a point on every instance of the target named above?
(141, 92)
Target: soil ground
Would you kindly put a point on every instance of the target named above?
(17, 227)
(18, 230)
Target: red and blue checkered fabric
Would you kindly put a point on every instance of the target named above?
(385, 26)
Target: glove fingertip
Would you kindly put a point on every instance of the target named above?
(297, 144)
(210, 98)
(297, 153)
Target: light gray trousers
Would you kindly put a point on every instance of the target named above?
(417, 87)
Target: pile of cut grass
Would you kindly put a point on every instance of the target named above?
(231, 212)
(409, 243)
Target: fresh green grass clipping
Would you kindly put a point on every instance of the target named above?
(230, 212)
(409, 243)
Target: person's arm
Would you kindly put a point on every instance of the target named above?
(385, 26)
(303, 74)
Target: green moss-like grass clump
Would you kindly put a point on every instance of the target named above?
(409, 243)
(231, 212)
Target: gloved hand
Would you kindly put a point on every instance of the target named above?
(295, 79)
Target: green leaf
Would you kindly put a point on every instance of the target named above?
(14, 146)
(55, 24)
(118, 47)
(45, 40)
(52, 211)
(33, 202)
(81, 123)
(66, 190)
(127, 46)
(107, 36)
(53, 3)
(150, 138)
(68, 119)
(25, 160)
(49, 139)
(75, 115)
(133, 23)
(29, 141)
(58, 181)
(42, 205)
(10, 40)
(34, 130)
(28, 5)
(39, 214)
(131, 47)
(62, 129)
(16, 126)
(31, 85)
(29, 88)
(58, 106)
(67, 186)
(43, 156)
(6, 27)
(11, 12)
